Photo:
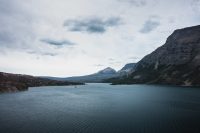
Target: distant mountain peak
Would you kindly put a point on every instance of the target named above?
(107, 70)
(127, 69)
(97, 77)
(128, 66)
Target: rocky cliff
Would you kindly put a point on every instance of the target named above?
(17, 82)
(177, 62)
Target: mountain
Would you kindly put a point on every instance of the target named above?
(177, 62)
(127, 69)
(107, 70)
(100, 76)
(17, 82)
(92, 78)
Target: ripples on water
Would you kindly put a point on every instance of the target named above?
(101, 108)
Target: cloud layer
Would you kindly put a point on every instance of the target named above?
(66, 38)
(149, 26)
(91, 25)
(57, 43)
(137, 3)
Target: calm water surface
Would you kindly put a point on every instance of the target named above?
(101, 108)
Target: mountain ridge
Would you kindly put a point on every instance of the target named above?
(99, 76)
(177, 62)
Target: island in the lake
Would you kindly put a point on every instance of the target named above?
(17, 82)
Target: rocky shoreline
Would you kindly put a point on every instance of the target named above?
(12, 87)
(17, 82)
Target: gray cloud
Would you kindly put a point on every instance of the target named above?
(42, 53)
(134, 58)
(98, 65)
(115, 62)
(149, 26)
(57, 43)
(171, 20)
(6, 38)
(16, 30)
(91, 25)
(195, 4)
(111, 59)
(49, 54)
(137, 3)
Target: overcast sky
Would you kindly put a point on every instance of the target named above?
(78, 37)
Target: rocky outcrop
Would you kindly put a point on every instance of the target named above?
(177, 62)
(17, 82)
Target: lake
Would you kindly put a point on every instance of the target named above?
(101, 108)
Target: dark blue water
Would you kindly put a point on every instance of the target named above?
(101, 108)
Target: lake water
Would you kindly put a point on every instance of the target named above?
(101, 108)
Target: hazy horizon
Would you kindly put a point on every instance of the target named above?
(80, 37)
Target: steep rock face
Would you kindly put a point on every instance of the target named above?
(181, 47)
(177, 62)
